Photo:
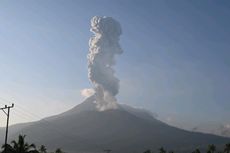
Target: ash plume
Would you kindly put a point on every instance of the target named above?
(103, 47)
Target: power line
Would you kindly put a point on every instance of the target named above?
(7, 121)
(46, 124)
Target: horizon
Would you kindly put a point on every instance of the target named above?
(175, 61)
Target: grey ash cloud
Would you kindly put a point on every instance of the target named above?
(103, 47)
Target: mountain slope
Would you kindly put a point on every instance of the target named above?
(124, 130)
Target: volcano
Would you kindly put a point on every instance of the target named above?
(123, 130)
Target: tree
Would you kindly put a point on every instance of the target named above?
(227, 148)
(42, 149)
(147, 151)
(196, 151)
(7, 148)
(162, 150)
(59, 150)
(20, 146)
(211, 148)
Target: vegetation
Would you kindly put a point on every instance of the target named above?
(20, 146)
(211, 149)
(227, 148)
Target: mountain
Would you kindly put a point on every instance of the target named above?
(124, 130)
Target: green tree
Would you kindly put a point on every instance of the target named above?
(20, 146)
(147, 151)
(58, 150)
(196, 151)
(7, 148)
(227, 148)
(42, 149)
(162, 150)
(211, 148)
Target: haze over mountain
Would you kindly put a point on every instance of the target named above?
(123, 130)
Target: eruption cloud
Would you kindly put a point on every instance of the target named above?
(103, 47)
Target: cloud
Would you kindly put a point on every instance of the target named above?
(87, 92)
(225, 130)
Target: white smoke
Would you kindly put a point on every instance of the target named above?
(225, 130)
(87, 92)
(103, 46)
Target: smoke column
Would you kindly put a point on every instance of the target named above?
(103, 47)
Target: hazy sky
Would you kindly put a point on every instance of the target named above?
(175, 61)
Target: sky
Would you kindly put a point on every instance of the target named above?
(175, 61)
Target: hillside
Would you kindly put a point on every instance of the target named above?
(123, 130)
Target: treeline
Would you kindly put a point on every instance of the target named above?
(211, 149)
(21, 146)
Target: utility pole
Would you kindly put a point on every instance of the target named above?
(7, 121)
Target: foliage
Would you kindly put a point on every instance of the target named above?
(227, 148)
(211, 149)
(162, 150)
(196, 151)
(21, 146)
(42, 149)
(147, 151)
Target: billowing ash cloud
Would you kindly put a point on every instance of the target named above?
(103, 47)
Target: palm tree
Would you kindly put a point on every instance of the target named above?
(211, 148)
(7, 149)
(20, 146)
(196, 151)
(59, 150)
(42, 149)
(162, 150)
(227, 148)
(147, 151)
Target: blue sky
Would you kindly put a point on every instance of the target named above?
(175, 61)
